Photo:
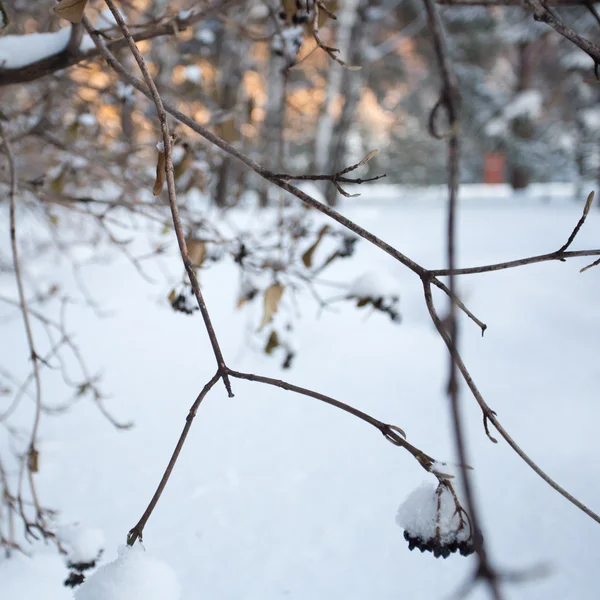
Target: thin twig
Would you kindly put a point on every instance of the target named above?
(511, 264)
(168, 151)
(586, 210)
(594, 264)
(541, 12)
(491, 415)
(136, 532)
(32, 451)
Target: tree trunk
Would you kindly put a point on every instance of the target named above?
(324, 139)
(351, 89)
(232, 50)
(272, 130)
(523, 128)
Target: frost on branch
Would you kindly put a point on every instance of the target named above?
(434, 521)
(133, 575)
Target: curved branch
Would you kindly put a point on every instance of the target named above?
(491, 415)
(30, 461)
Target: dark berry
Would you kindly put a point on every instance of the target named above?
(74, 579)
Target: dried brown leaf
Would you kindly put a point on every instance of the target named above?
(161, 174)
(272, 343)
(196, 251)
(57, 185)
(308, 255)
(271, 303)
(71, 10)
(33, 460)
(245, 297)
(289, 8)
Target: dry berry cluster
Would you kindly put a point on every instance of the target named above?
(440, 548)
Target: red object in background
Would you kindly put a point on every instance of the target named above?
(494, 164)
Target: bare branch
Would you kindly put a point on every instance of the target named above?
(29, 462)
(586, 210)
(450, 100)
(491, 415)
(137, 532)
(541, 12)
(168, 152)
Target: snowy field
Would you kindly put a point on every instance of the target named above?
(279, 496)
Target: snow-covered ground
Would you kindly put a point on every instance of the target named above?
(280, 496)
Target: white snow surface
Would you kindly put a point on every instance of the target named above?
(277, 495)
(32, 578)
(134, 574)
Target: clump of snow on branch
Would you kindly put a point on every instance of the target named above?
(83, 544)
(419, 515)
(206, 36)
(577, 60)
(373, 285)
(182, 15)
(591, 119)
(17, 51)
(526, 104)
(87, 120)
(193, 73)
(133, 575)
(377, 291)
(124, 92)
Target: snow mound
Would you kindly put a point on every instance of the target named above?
(29, 578)
(133, 575)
